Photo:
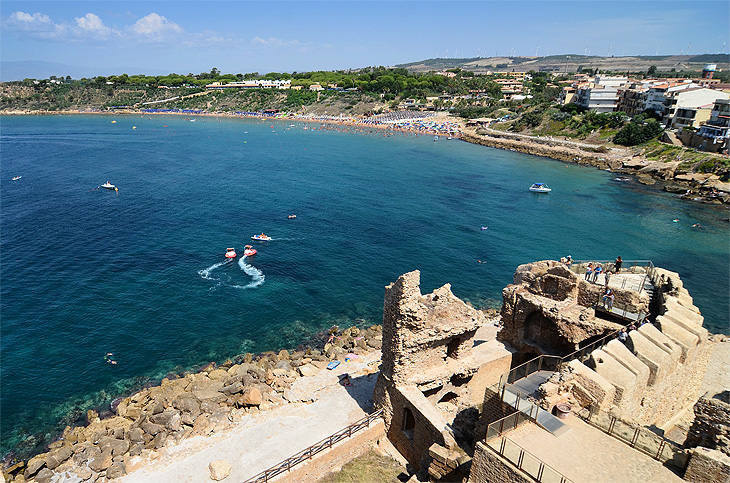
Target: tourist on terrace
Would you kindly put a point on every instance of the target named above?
(607, 277)
(618, 263)
(608, 299)
(596, 272)
(589, 271)
(623, 335)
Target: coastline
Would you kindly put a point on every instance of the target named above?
(695, 187)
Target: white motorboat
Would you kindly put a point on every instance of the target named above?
(109, 186)
(540, 188)
(261, 237)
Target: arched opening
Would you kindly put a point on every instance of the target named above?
(409, 423)
(458, 381)
(452, 349)
(542, 332)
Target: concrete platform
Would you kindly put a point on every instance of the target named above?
(606, 459)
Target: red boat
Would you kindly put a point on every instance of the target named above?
(249, 251)
(230, 253)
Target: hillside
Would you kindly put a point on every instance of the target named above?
(573, 62)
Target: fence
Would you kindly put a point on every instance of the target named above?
(637, 437)
(645, 267)
(540, 363)
(526, 461)
(308, 453)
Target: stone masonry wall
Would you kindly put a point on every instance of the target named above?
(488, 467)
(711, 426)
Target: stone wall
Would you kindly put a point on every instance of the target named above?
(487, 466)
(341, 453)
(433, 372)
(708, 466)
(657, 372)
(550, 309)
(711, 426)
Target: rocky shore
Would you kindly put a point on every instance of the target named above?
(699, 187)
(211, 400)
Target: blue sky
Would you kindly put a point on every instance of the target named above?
(253, 36)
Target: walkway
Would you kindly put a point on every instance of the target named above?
(515, 393)
(263, 440)
(587, 455)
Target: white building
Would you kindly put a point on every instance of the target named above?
(718, 127)
(690, 106)
(601, 95)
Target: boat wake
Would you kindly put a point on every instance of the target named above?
(256, 274)
(224, 279)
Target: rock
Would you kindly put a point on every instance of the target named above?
(375, 342)
(251, 397)
(151, 428)
(209, 406)
(135, 435)
(160, 439)
(44, 476)
(217, 374)
(187, 403)
(234, 388)
(308, 370)
(175, 422)
(35, 464)
(116, 470)
(92, 416)
(219, 469)
(116, 446)
(101, 462)
(283, 355)
(58, 456)
(136, 449)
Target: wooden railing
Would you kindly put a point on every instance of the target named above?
(308, 453)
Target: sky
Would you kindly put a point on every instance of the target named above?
(159, 37)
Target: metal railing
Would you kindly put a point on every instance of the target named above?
(510, 422)
(539, 363)
(638, 437)
(310, 452)
(527, 462)
(628, 266)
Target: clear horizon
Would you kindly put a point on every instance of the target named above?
(276, 36)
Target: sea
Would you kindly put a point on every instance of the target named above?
(141, 273)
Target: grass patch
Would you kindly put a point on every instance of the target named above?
(370, 467)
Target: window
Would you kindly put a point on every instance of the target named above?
(409, 423)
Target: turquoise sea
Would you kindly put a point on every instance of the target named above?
(141, 273)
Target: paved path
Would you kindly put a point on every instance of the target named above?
(588, 455)
(263, 440)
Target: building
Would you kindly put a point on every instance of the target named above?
(252, 84)
(715, 133)
(694, 102)
(600, 95)
(656, 95)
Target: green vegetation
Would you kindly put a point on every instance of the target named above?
(638, 132)
(370, 467)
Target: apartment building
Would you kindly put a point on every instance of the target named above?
(690, 107)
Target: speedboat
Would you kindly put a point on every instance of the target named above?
(540, 188)
(16, 178)
(291, 217)
(249, 251)
(230, 253)
(109, 186)
(261, 237)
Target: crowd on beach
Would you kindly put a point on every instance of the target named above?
(402, 121)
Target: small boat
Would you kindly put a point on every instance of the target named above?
(622, 178)
(249, 251)
(230, 253)
(540, 188)
(435, 138)
(291, 217)
(16, 178)
(485, 228)
(261, 237)
(109, 186)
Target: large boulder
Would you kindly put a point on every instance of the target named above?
(219, 469)
(44, 476)
(101, 462)
(251, 397)
(116, 446)
(58, 456)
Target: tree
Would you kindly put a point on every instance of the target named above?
(652, 71)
